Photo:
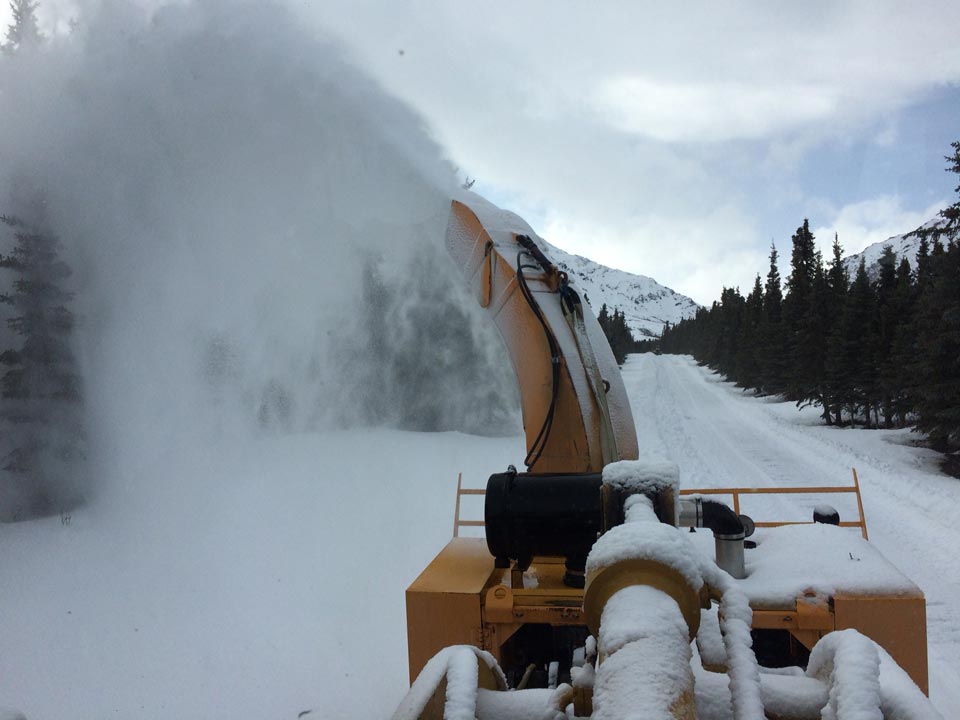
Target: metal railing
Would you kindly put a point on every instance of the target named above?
(735, 493)
(457, 522)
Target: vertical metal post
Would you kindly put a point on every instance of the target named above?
(456, 512)
(863, 520)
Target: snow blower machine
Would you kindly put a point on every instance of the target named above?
(590, 597)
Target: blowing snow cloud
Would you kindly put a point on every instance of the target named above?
(254, 229)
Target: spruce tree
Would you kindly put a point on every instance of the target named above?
(887, 319)
(42, 447)
(815, 330)
(938, 348)
(773, 339)
(23, 32)
(851, 366)
(801, 356)
(838, 282)
(896, 375)
(748, 341)
(951, 214)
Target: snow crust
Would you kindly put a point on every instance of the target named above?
(646, 667)
(709, 640)
(849, 663)
(736, 618)
(459, 665)
(864, 681)
(790, 560)
(651, 540)
(630, 614)
(649, 476)
(532, 704)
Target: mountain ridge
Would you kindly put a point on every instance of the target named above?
(645, 303)
(904, 245)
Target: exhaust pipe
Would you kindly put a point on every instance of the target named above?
(728, 531)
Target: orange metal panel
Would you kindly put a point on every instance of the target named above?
(898, 624)
(436, 620)
(463, 566)
(443, 603)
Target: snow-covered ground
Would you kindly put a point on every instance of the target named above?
(721, 438)
(265, 578)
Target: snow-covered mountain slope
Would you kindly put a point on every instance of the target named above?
(905, 245)
(646, 303)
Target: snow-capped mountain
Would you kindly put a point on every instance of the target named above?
(905, 245)
(645, 303)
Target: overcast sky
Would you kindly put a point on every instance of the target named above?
(675, 140)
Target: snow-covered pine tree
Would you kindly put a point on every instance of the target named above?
(41, 449)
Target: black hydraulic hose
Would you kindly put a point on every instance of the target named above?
(536, 448)
(527, 243)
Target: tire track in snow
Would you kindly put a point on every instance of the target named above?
(721, 437)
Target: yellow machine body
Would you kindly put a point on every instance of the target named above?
(462, 598)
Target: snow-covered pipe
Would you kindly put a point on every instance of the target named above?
(645, 650)
(864, 681)
(736, 619)
(727, 527)
(642, 603)
(450, 682)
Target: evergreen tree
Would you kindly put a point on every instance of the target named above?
(851, 362)
(617, 332)
(838, 282)
(896, 375)
(952, 213)
(938, 348)
(802, 356)
(815, 331)
(772, 336)
(40, 389)
(23, 32)
(748, 341)
(885, 289)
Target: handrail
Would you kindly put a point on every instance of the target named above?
(738, 491)
(457, 522)
(734, 492)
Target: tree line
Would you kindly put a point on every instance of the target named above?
(617, 332)
(881, 351)
(41, 433)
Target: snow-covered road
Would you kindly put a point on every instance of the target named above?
(265, 577)
(721, 438)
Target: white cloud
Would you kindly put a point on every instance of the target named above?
(871, 221)
(705, 112)
(634, 131)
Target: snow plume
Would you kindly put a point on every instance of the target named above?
(235, 199)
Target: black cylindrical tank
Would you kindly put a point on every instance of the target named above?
(547, 515)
